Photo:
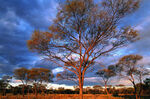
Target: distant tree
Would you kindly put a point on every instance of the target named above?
(140, 73)
(22, 75)
(38, 76)
(146, 86)
(97, 87)
(82, 32)
(3, 86)
(76, 89)
(4, 83)
(131, 70)
(120, 85)
(106, 74)
(61, 90)
(147, 82)
(130, 90)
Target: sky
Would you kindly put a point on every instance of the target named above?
(19, 18)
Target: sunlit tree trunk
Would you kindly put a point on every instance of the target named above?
(106, 89)
(81, 82)
(81, 88)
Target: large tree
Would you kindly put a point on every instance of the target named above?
(131, 70)
(83, 31)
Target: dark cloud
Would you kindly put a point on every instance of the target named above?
(35, 12)
(18, 19)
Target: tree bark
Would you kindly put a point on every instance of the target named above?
(23, 91)
(81, 92)
(106, 89)
(4, 92)
(141, 88)
(135, 90)
(81, 81)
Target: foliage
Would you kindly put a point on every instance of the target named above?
(147, 82)
(36, 76)
(21, 74)
(40, 75)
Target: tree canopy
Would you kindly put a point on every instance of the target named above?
(83, 31)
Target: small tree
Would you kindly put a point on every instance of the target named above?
(139, 74)
(97, 87)
(82, 32)
(106, 74)
(38, 76)
(131, 70)
(147, 86)
(147, 82)
(4, 82)
(22, 75)
(120, 85)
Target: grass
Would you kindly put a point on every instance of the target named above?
(69, 96)
(59, 96)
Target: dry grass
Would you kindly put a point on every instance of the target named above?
(60, 96)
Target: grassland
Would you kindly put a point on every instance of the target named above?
(59, 96)
(69, 96)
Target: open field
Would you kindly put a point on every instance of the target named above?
(69, 96)
(59, 96)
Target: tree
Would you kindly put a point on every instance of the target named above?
(131, 70)
(97, 87)
(140, 73)
(82, 32)
(120, 85)
(4, 82)
(106, 74)
(146, 86)
(22, 75)
(147, 82)
(38, 76)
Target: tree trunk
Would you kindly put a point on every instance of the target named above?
(135, 90)
(4, 92)
(106, 89)
(81, 92)
(42, 90)
(81, 81)
(35, 91)
(28, 91)
(141, 88)
(23, 91)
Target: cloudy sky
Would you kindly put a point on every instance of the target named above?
(19, 18)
